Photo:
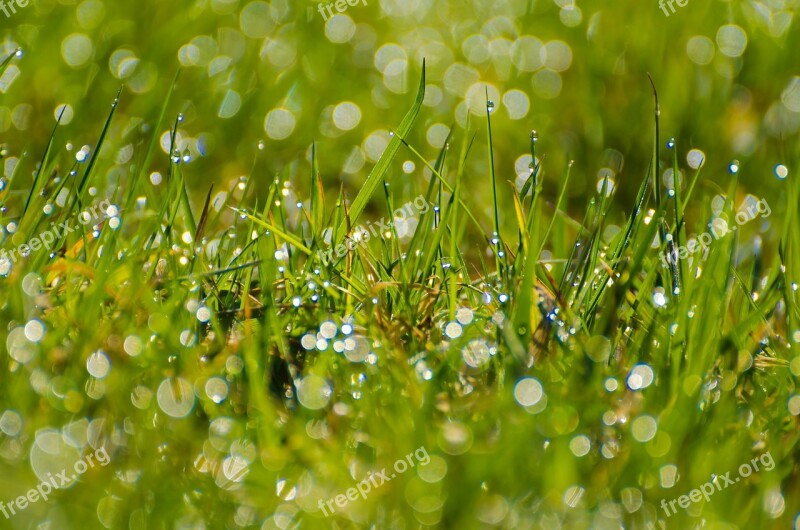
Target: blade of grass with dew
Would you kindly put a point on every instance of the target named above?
(524, 304)
(317, 197)
(445, 183)
(96, 152)
(680, 230)
(35, 188)
(137, 172)
(422, 232)
(377, 174)
(496, 210)
(7, 61)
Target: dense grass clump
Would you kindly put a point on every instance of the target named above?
(554, 372)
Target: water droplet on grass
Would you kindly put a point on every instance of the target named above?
(659, 297)
(644, 428)
(175, 397)
(203, 314)
(640, 377)
(11, 423)
(328, 329)
(34, 330)
(5, 266)
(98, 364)
(51, 454)
(313, 392)
(217, 389)
(580, 445)
(476, 353)
(528, 392)
(453, 330)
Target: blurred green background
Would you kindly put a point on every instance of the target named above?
(278, 73)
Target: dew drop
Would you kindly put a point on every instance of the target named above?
(98, 364)
(217, 389)
(659, 297)
(695, 158)
(313, 392)
(175, 397)
(453, 330)
(528, 392)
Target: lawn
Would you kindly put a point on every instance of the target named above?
(399, 264)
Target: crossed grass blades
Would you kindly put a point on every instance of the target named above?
(717, 341)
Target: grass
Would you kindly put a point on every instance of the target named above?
(249, 380)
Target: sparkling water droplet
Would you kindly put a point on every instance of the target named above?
(5, 266)
(490, 105)
(180, 117)
(217, 389)
(314, 392)
(733, 167)
(453, 330)
(781, 171)
(528, 392)
(695, 158)
(671, 143)
(176, 397)
(659, 297)
(98, 364)
(534, 136)
(19, 53)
